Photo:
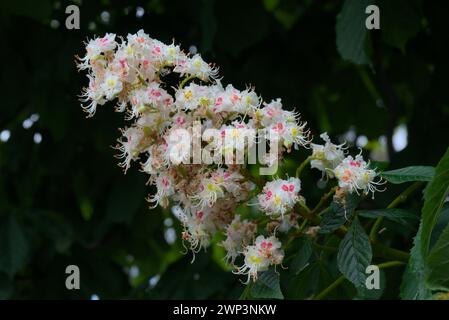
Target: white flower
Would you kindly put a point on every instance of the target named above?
(191, 96)
(171, 55)
(258, 257)
(131, 147)
(165, 189)
(279, 196)
(354, 175)
(237, 136)
(247, 102)
(272, 114)
(254, 262)
(229, 180)
(233, 100)
(282, 126)
(93, 95)
(138, 99)
(96, 47)
(140, 41)
(195, 66)
(159, 98)
(270, 248)
(198, 228)
(295, 134)
(209, 191)
(238, 235)
(327, 157)
(112, 85)
(178, 148)
(155, 161)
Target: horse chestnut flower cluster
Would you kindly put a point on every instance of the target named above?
(204, 195)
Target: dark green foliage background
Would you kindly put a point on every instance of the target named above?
(65, 201)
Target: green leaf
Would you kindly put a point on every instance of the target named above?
(338, 213)
(352, 32)
(301, 259)
(355, 254)
(407, 174)
(304, 284)
(412, 286)
(363, 293)
(13, 247)
(267, 286)
(434, 197)
(437, 264)
(401, 216)
(443, 221)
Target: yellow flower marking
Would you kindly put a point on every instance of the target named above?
(110, 83)
(255, 259)
(188, 95)
(204, 101)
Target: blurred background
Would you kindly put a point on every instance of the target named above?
(64, 200)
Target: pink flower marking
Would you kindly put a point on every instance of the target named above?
(269, 195)
(219, 101)
(200, 214)
(165, 183)
(266, 245)
(155, 93)
(123, 63)
(157, 50)
(235, 98)
(180, 120)
(355, 164)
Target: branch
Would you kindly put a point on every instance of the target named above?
(340, 279)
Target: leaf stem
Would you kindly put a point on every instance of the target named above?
(398, 200)
(303, 205)
(387, 252)
(185, 80)
(331, 287)
(303, 165)
(324, 198)
(306, 213)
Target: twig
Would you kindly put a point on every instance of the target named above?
(398, 200)
(340, 279)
